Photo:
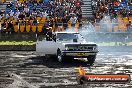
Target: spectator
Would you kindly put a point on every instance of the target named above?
(29, 10)
(35, 21)
(10, 26)
(73, 20)
(64, 22)
(11, 13)
(46, 1)
(21, 16)
(78, 4)
(9, 5)
(26, 9)
(60, 25)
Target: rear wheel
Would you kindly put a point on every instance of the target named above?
(91, 59)
(47, 56)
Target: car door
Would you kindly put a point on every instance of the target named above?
(46, 47)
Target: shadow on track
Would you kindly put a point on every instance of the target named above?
(53, 63)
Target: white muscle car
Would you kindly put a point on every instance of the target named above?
(65, 45)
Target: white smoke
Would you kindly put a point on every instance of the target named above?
(105, 24)
(87, 28)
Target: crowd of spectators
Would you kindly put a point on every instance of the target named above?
(113, 8)
(119, 11)
(44, 12)
(60, 14)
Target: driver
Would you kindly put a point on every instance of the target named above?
(49, 35)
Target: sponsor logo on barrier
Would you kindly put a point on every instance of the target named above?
(102, 78)
(114, 78)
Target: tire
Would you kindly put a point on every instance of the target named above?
(60, 58)
(81, 80)
(91, 59)
(47, 56)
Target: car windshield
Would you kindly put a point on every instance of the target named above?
(69, 37)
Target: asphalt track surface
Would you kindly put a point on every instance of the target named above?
(28, 70)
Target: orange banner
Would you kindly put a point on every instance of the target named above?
(83, 77)
(107, 78)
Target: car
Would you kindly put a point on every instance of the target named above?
(65, 45)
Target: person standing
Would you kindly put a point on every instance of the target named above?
(73, 20)
(78, 4)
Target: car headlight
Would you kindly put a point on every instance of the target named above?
(95, 48)
(66, 48)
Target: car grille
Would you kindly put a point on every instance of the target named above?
(80, 48)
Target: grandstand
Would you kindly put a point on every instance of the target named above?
(119, 11)
(38, 16)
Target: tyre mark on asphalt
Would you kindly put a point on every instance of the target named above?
(45, 76)
(18, 80)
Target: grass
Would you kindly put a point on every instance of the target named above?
(17, 43)
(33, 43)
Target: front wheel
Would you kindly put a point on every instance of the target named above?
(60, 58)
(81, 80)
(47, 56)
(91, 59)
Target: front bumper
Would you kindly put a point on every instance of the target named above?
(79, 53)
